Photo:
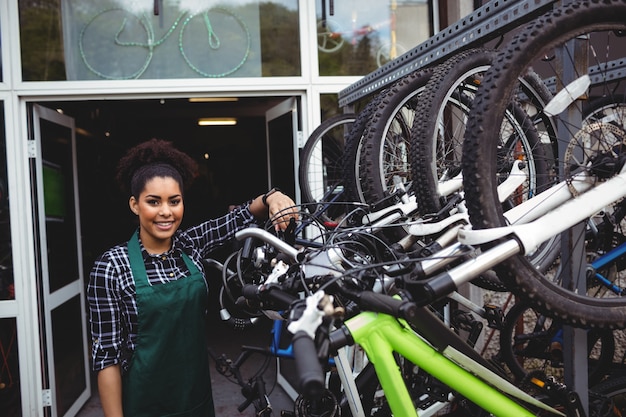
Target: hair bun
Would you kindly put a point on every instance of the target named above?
(154, 151)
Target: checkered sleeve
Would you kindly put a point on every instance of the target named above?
(105, 312)
(214, 233)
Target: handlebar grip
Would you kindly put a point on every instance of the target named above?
(271, 294)
(311, 376)
(386, 304)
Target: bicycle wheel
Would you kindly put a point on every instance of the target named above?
(117, 45)
(213, 26)
(531, 341)
(547, 45)
(320, 170)
(437, 138)
(350, 159)
(385, 148)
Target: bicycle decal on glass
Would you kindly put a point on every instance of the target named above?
(118, 44)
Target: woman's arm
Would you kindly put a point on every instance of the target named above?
(110, 390)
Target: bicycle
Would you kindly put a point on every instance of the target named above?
(591, 156)
(136, 33)
(254, 262)
(532, 341)
(320, 170)
(418, 336)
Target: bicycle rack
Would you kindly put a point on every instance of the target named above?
(494, 19)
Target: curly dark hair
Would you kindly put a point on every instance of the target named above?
(152, 158)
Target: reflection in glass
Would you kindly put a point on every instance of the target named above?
(359, 37)
(121, 40)
(58, 187)
(10, 402)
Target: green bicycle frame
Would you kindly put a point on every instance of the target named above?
(381, 335)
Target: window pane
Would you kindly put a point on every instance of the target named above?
(121, 39)
(359, 37)
(1, 79)
(7, 289)
(10, 402)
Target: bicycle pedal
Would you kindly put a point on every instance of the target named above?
(494, 316)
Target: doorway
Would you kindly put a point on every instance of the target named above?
(225, 154)
(233, 160)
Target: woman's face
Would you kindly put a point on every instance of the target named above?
(160, 209)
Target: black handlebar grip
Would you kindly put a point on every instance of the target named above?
(386, 304)
(272, 294)
(311, 376)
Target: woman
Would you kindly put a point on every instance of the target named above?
(148, 297)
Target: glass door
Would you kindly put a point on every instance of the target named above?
(281, 122)
(59, 270)
(282, 131)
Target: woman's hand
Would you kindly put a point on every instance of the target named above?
(279, 207)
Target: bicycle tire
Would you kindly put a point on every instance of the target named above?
(320, 170)
(437, 136)
(526, 345)
(589, 18)
(385, 149)
(608, 109)
(353, 145)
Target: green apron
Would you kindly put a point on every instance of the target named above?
(169, 370)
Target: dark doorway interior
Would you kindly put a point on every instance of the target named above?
(232, 159)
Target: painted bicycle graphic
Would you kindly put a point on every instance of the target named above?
(118, 44)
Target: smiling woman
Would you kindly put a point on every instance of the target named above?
(160, 211)
(148, 297)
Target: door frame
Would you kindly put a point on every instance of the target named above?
(52, 300)
(287, 107)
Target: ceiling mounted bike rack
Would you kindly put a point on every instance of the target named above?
(486, 23)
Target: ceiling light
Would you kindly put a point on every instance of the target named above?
(211, 99)
(217, 121)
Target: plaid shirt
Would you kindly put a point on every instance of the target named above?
(111, 289)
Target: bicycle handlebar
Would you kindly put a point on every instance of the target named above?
(267, 237)
(383, 303)
(252, 292)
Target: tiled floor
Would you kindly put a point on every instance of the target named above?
(227, 395)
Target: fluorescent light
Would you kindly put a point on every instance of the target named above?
(217, 121)
(211, 99)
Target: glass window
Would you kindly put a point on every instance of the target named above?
(10, 402)
(357, 36)
(1, 79)
(329, 104)
(121, 39)
(9, 372)
(7, 290)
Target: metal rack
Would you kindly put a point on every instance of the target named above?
(486, 23)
